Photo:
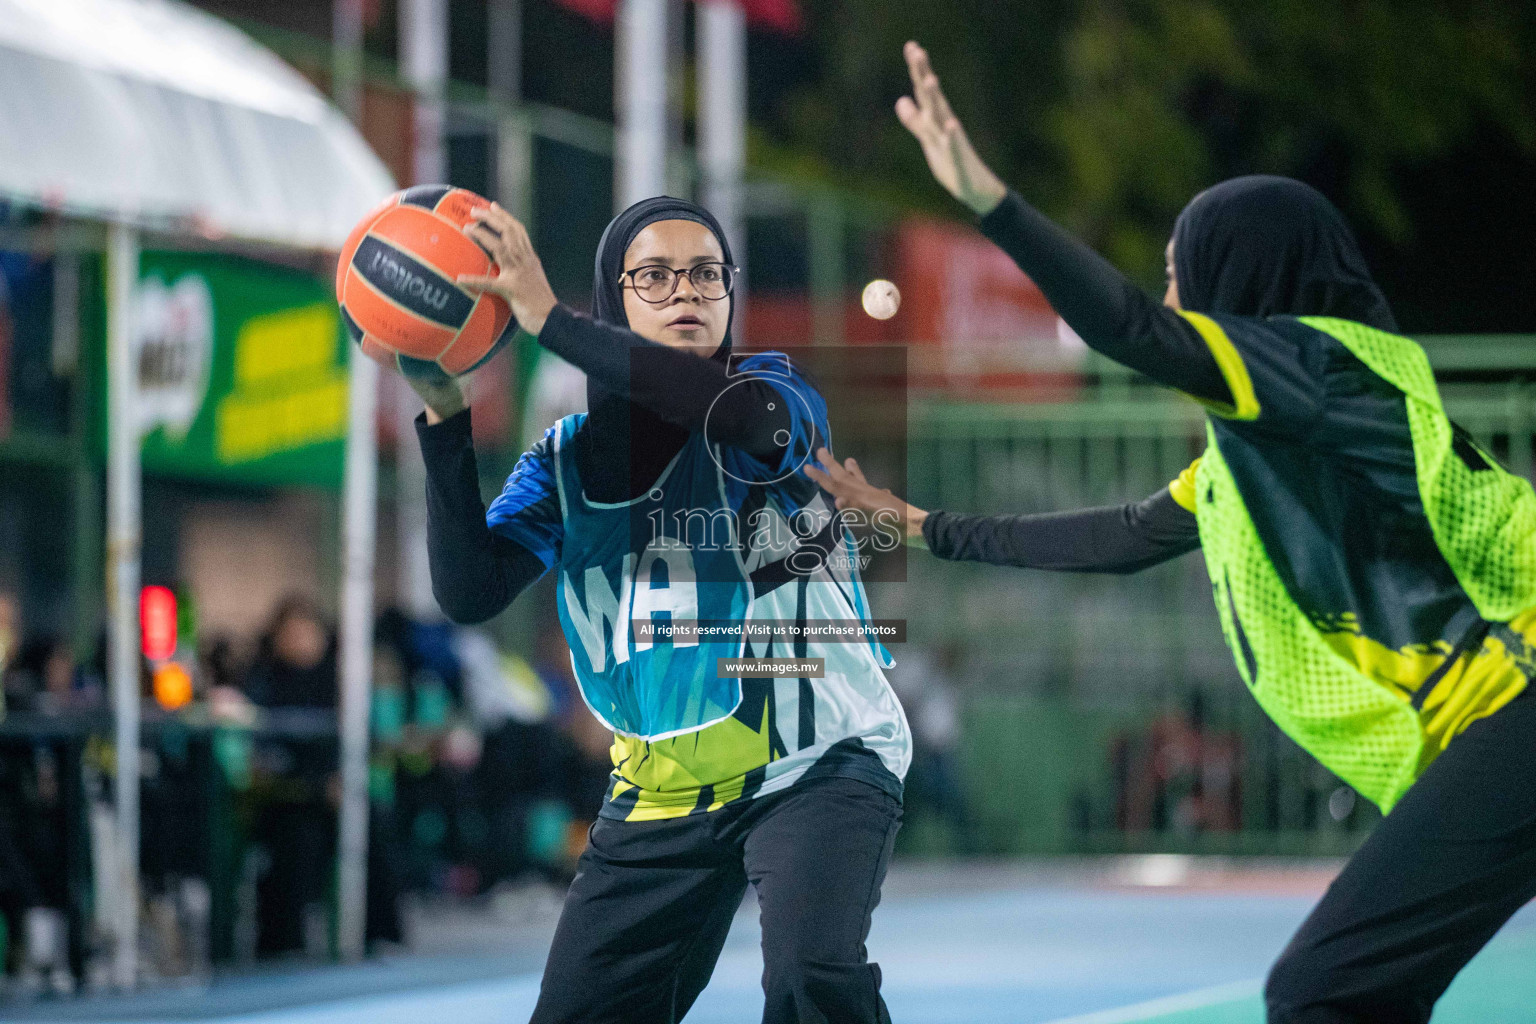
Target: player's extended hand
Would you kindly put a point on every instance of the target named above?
(950, 155)
(845, 482)
(521, 280)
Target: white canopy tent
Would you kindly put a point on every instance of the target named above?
(151, 115)
(152, 112)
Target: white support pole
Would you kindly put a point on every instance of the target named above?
(347, 56)
(722, 105)
(123, 539)
(424, 65)
(640, 101)
(359, 499)
(504, 79)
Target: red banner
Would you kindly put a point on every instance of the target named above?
(973, 323)
(972, 316)
(781, 16)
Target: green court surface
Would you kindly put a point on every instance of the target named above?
(1499, 985)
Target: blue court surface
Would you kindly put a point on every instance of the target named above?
(1159, 942)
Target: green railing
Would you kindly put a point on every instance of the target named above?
(1103, 713)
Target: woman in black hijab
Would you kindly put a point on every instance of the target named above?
(677, 495)
(1369, 562)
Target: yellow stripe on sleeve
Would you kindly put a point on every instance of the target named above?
(1245, 404)
(1183, 487)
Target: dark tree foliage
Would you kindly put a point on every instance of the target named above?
(1417, 117)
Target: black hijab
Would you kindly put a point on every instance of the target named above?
(1264, 246)
(624, 447)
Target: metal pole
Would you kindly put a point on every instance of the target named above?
(504, 59)
(347, 56)
(722, 106)
(640, 101)
(424, 65)
(123, 538)
(356, 642)
(504, 78)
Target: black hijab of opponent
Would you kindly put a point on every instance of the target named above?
(1265, 246)
(624, 447)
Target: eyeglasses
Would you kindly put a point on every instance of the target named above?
(655, 283)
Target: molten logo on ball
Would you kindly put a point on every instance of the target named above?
(402, 282)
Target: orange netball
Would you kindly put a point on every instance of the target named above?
(396, 278)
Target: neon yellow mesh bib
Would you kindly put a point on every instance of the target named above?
(1483, 521)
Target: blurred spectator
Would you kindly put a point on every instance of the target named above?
(519, 776)
(1181, 776)
(218, 662)
(925, 681)
(586, 766)
(295, 663)
(34, 881)
(30, 889)
(8, 637)
(219, 675)
(431, 788)
(43, 678)
(294, 667)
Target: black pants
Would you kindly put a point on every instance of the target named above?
(652, 901)
(1439, 876)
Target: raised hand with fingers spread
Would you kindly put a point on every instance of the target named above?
(845, 482)
(950, 155)
(521, 280)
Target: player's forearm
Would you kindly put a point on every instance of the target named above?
(1115, 539)
(679, 386)
(1102, 305)
(475, 574)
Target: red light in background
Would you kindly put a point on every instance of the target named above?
(157, 622)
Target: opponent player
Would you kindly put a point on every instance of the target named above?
(676, 500)
(1374, 570)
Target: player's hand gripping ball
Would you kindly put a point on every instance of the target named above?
(881, 299)
(397, 285)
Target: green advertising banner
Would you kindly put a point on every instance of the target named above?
(242, 371)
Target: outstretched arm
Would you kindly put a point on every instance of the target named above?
(1108, 312)
(1113, 539)
(1117, 539)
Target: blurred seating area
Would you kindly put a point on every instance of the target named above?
(485, 772)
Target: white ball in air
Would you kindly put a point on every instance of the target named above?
(881, 299)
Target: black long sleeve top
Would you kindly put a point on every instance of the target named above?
(1117, 319)
(1112, 539)
(1108, 311)
(477, 573)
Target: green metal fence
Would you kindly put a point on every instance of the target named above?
(1103, 713)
